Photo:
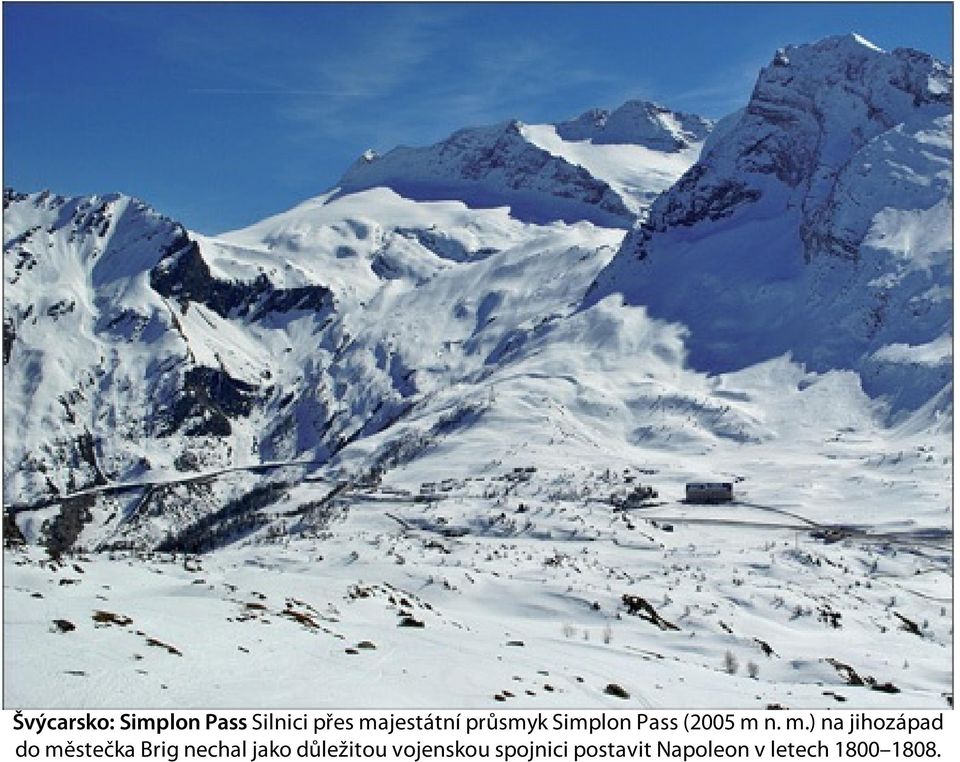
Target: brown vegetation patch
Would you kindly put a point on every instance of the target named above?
(108, 617)
(298, 616)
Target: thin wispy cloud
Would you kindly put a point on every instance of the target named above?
(288, 92)
(406, 70)
(298, 90)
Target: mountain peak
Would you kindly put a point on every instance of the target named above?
(854, 63)
(812, 108)
(849, 42)
(492, 165)
(638, 122)
(841, 46)
(792, 202)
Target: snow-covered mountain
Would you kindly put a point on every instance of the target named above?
(489, 166)
(267, 344)
(817, 222)
(288, 340)
(608, 174)
(128, 351)
(638, 123)
(426, 397)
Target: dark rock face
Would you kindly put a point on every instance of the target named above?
(719, 199)
(11, 196)
(86, 447)
(61, 532)
(183, 274)
(585, 126)
(923, 77)
(9, 336)
(208, 399)
(12, 536)
(443, 245)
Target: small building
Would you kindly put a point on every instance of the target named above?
(709, 492)
(638, 497)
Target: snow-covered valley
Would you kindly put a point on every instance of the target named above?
(389, 443)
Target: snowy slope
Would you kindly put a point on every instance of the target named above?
(215, 338)
(817, 222)
(235, 351)
(637, 173)
(640, 148)
(125, 353)
(404, 400)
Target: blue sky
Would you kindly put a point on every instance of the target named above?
(219, 115)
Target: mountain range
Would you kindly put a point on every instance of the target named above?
(525, 318)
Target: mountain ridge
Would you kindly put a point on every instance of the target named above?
(271, 339)
(638, 122)
(804, 174)
(442, 447)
